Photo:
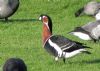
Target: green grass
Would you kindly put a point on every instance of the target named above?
(22, 39)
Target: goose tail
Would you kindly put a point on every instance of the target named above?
(87, 52)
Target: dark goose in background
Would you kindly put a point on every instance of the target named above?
(90, 31)
(14, 64)
(8, 8)
(91, 8)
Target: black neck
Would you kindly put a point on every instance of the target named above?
(50, 23)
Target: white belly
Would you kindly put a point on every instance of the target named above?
(73, 53)
(97, 16)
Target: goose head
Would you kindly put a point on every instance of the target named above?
(47, 27)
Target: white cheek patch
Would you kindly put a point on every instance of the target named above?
(45, 22)
(44, 16)
(40, 18)
(81, 35)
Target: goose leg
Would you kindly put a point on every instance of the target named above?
(63, 56)
(64, 60)
(6, 19)
(56, 58)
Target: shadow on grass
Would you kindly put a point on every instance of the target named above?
(92, 61)
(19, 20)
(95, 61)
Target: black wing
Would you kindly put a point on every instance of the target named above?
(66, 44)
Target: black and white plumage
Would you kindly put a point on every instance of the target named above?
(8, 8)
(90, 31)
(91, 8)
(97, 16)
(14, 64)
(57, 45)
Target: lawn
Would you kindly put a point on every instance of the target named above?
(21, 36)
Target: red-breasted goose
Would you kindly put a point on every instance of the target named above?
(90, 31)
(14, 64)
(58, 45)
(91, 8)
(8, 8)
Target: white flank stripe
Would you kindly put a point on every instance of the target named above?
(67, 47)
(82, 35)
(56, 47)
(73, 53)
